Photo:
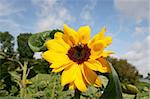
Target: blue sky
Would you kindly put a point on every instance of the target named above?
(127, 21)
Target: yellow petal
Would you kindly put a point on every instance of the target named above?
(105, 68)
(57, 46)
(58, 64)
(69, 74)
(102, 32)
(61, 67)
(96, 49)
(106, 53)
(72, 86)
(55, 65)
(107, 40)
(59, 38)
(84, 34)
(98, 82)
(57, 58)
(93, 64)
(97, 46)
(98, 36)
(89, 75)
(100, 65)
(80, 81)
(70, 36)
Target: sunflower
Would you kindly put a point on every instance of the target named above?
(78, 56)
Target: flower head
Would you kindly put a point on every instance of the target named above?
(78, 56)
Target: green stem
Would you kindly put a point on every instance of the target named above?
(53, 90)
(23, 81)
(77, 94)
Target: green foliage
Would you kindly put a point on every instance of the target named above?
(2, 55)
(46, 85)
(9, 97)
(144, 88)
(7, 85)
(39, 66)
(36, 41)
(130, 89)
(6, 42)
(11, 71)
(23, 48)
(148, 76)
(127, 72)
(113, 87)
(6, 66)
(3, 92)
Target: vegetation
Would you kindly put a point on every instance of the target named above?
(126, 71)
(24, 50)
(21, 75)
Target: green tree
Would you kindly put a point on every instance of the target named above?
(148, 76)
(126, 71)
(23, 47)
(6, 50)
(6, 42)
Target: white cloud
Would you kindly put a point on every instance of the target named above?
(51, 14)
(139, 52)
(139, 30)
(9, 11)
(139, 55)
(137, 9)
(8, 8)
(86, 12)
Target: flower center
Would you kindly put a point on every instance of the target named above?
(79, 53)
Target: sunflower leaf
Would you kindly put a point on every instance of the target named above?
(36, 41)
(113, 89)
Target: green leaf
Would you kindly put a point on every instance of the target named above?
(36, 41)
(2, 55)
(113, 89)
(15, 75)
(129, 89)
(48, 85)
